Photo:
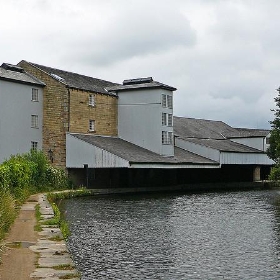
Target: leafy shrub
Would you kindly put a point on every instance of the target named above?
(22, 175)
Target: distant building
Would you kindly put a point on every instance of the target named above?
(124, 135)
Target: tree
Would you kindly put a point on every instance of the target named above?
(274, 150)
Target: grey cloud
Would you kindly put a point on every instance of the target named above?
(137, 32)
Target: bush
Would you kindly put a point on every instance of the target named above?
(22, 175)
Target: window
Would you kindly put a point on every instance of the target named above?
(166, 119)
(169, 102)
(34, 145)
(166, 101)
(163, 100)
(166, 137)
(35, 95)
(91, 100)
(169, 120)
(34, 121)
(163, 119)
(91, 125)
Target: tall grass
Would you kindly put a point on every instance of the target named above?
(21, 176)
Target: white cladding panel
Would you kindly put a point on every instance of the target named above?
(198, 149)
(245, 158)
(79, 153)
(16, 109)
(256, 142)
(140, 119)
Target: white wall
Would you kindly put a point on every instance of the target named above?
(140, 119)
(198, 149)
(245, 158)
(79, 152)
(16, 109)
(255, 142)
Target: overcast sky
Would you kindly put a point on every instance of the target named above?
(221, 55)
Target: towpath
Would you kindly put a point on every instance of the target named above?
(35, 255)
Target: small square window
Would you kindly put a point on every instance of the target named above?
(34, 121)
(91, 100)
(91, 125)
(34, 145)
(35, 95)
(166, 137)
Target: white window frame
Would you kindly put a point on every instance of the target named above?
(34, 145)
(91, 125)
(163, 100)
(169, 101)
(34, 121)
(35, 95)
(91, 100)
(164, 119)
(166, 137)
(169, 120)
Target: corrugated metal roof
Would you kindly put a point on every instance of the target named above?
(76, 81)
(136, 154)
(19, 77)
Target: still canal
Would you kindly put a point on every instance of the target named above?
(219, 235)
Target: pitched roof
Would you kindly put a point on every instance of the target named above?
(136, 154)
(8, 73)
(224, 145)
(247, 133)
(200, 128)
(208, 129)
(76, 81)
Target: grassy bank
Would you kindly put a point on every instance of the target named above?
(21, 176)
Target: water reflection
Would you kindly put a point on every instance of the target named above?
(232, 235)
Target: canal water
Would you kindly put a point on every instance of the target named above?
(219, 235)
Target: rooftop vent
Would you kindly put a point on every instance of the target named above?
(57, 77)
(138, 81)
(12, 67)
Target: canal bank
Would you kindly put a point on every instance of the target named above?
(31, 254)
(187, 188)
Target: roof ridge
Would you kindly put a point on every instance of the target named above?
(70, 72)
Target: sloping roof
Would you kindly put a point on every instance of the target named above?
(76, 81)
(136, 154)
(19, 77)
(247, 133)
(224, 145)
(208, 129)
(200, 128)
(139, 83)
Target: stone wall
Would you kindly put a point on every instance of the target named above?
(67, 110)
(55, 114)
(104, 113)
